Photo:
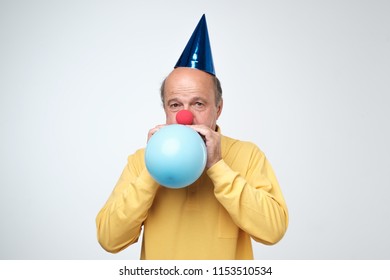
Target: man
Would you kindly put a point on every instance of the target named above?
(235, 199)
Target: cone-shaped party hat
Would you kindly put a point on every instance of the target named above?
(197, 53)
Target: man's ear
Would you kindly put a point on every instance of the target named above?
(219, 108)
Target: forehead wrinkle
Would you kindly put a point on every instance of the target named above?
(180, 89)
(180, 93)
(179, 98)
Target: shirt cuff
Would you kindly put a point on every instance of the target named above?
(219, 172)
(147, 180)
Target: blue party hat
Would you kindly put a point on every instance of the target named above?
(197, 53)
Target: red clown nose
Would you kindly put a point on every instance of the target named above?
(184, 117)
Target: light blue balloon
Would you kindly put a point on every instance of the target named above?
(175, 156)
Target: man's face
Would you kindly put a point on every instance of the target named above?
(193, 90)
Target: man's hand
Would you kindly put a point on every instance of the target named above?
(154, 130)
(213, 143)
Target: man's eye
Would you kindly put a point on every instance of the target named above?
(175, 107)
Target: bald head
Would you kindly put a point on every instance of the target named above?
(187, 77)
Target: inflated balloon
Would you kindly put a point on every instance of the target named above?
(175, 156)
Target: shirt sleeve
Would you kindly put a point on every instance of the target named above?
(120, 220)
(252, 197)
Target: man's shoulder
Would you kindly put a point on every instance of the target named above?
(233, 143)
(240, 154)
(139, 154)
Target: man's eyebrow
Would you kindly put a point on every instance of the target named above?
(196, 98)
(173, 100)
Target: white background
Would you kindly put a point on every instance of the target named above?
(307, 81)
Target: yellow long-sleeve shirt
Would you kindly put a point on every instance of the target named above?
(214, 218)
